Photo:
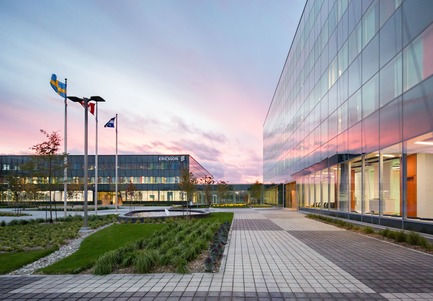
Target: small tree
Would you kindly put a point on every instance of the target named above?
(31, 191)
(188, 184)
(15, 186)
(222, 189)
(130, 191)
(48, 160)
(208, 181)
(3, 191)
(256, 191)
(74, 189)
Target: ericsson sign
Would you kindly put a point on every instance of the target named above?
(172, 158)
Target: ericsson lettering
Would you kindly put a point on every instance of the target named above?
(168, 159)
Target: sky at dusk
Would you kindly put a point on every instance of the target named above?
(185, 77)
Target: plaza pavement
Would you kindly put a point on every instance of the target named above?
(272, 254)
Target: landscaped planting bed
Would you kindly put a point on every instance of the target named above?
(171, 249)
(24, 241)
(173, 245)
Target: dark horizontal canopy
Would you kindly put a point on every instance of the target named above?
(92, 98)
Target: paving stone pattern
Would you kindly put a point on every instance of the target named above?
(384, 267)
(272, 254)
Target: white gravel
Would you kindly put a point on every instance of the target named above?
(61, 253)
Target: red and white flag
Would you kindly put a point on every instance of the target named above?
(91, 106)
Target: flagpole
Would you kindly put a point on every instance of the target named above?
(117, 199)
(65, 173)
(86, 162)
(86, 144)
(96, 161)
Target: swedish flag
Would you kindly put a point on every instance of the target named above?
(59, 87)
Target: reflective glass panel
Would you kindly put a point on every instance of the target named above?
(391, 80)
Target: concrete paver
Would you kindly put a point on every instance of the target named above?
(272, 254)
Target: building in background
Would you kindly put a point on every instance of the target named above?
(141, 179)
(349, 131)
(148, 178)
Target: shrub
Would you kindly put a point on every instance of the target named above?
(230, 205)
(216, 251)
(417, 240)
(368, 230)
(209, 264)
(400, 236)
(387, 233)
(412, 238)
(13, 222)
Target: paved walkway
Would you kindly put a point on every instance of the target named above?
(272, 254)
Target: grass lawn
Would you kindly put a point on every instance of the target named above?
(98, 243)
(12, 261)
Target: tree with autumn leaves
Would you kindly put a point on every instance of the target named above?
(47, 163)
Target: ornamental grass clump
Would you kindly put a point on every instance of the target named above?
(122, 256)
(106, 263)
(146, 260)
(165, 259)
(180, 264)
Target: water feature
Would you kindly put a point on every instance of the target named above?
(140, 215)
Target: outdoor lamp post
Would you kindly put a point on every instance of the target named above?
(85, 102)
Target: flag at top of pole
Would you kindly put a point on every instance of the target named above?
(110, 123)
(91, 106)
(59, 87)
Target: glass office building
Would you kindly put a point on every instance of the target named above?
(349, 131)
(154, 178)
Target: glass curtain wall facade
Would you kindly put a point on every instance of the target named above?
(150, 177)
(350, 126)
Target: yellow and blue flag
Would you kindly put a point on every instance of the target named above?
(59, 87)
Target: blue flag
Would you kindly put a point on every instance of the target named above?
(110, 123)
(59, 87)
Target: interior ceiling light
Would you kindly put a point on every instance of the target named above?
(428, 141)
